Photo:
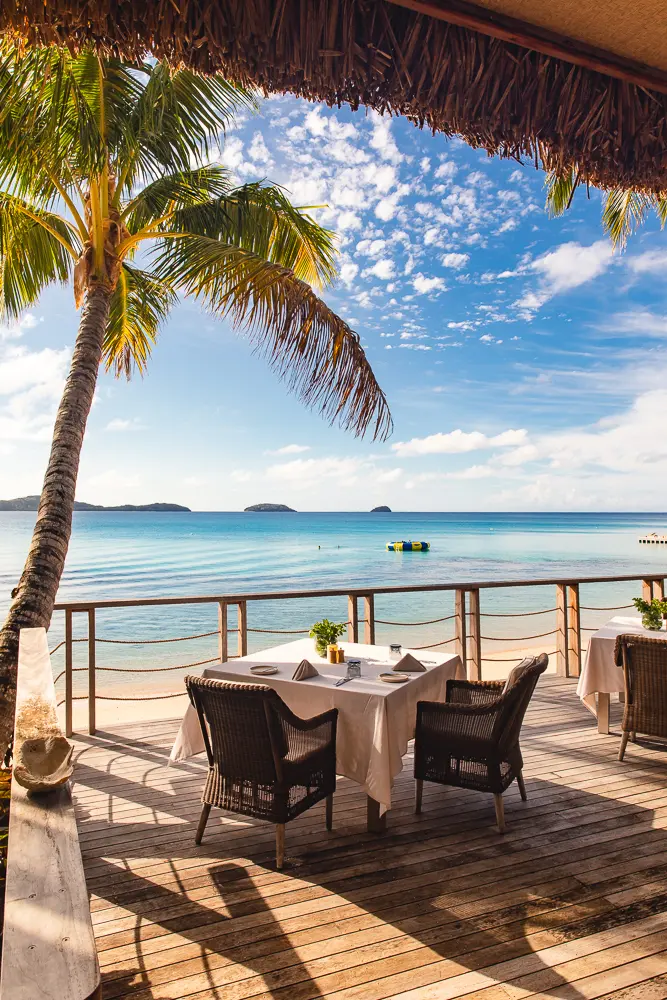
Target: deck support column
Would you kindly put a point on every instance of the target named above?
(68, 672)
(573, 630)
(369, 619)
(352, 618)
(223, 635)
(243, 629)
(475, 648)
(460, 628)
(562, 666)
(91, 672)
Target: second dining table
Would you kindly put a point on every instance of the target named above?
(376, 719)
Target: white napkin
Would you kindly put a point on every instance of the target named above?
(304, 671)
(408, 664)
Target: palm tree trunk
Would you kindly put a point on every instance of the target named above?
(35, 594)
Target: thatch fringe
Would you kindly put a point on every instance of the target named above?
(506, 99)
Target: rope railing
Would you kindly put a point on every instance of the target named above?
(281, 631)
(154, 642)
(155, 670)
(512, 659)
(515, 614)
(621, 607)
(431, 621)
(517, 638)
(433, 645)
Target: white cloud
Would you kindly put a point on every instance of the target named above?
(455, 260)
(16, 329)
(383, 141)
(348, 273)
(384, 269)
(423, 285)
(640, 322)
(568, 266)
(446, 170)
(119, 424)
(291, 449)
(650, 262)
(457, 442)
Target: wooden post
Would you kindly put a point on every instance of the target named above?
(659, 589)
(223, 650)
(573, 630)
(68, 672)
(561, 630)
(91, 671)
(460, 626)
(647, 590)
(352, 619)
(369, 619)
(475, 650)
(243, 629)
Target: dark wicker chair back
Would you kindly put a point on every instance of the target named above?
(514, 704)
(236, 721)
(644, 662)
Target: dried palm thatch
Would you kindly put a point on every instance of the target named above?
(507, 99)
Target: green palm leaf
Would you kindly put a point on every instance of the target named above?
(307, 344)
(183, 188)
(140, 304)
(560, 191)
(36, 249)
(624, 211)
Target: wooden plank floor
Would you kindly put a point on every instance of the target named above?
(570, 903)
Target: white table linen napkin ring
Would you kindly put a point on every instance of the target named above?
(304, 671)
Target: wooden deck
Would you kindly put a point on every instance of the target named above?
(570, 903)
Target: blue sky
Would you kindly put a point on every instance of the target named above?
(523, 361)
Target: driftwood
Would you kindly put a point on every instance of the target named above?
(42, 755)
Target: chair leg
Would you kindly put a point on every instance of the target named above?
(329, 812)
(280, 844)
(203, 820)
(633, 737)
(522, 786)
(500, 813)
(419, 788)
(624, 742)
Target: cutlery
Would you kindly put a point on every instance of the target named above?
(343, 680)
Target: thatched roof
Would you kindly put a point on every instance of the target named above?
(456, 69)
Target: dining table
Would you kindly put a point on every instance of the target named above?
(601, 677)
(376, 718)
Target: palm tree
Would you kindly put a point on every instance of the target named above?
(624, 209)
(108, 181)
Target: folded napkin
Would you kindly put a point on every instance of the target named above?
(304, 671)
(408, 664)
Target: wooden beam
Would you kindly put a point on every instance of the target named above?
(352, 619)
(573, 630)
(223, 635)
(69, 676)
(48, 948)
(369, 619)
(561, 630)
(647, 590)
(474, 672)
(539, 39)
(243, 629)
(91, 671)
(460, 627)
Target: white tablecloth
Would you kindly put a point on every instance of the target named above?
(375, 719)
(600, 673)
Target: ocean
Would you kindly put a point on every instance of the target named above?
(119, 555)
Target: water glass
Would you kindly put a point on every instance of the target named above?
(354, 668)
(395, 652)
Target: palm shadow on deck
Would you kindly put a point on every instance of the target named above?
(438, 898)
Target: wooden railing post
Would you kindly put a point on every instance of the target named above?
(460, 627)
(369, 619)
(91, 672)
(659, 589)
(68, 672)
(475, 649)
(647, 590)
(562, 666)
(243, 629)
(223, 650)
(573, 630)
(352, 619)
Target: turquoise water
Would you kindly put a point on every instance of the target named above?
(116, 555)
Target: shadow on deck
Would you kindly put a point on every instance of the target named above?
(570, 903)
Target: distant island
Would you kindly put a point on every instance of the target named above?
(381, 510)
(271, 508)
(32, 504)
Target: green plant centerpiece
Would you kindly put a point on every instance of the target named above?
(326, 633)
(652, 612)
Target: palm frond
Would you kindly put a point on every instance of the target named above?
(560, 191)
(261, 219)
(140, 304)
(623, 212)
(317, 354)
(33, 253)
(175, 123)
(183, 188)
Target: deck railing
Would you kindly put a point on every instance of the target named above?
(467, 640)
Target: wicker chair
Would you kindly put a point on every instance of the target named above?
(644, 662)
(263, 760)
(472, 739)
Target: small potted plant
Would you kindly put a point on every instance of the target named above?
(652, 612)
(326, 633)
